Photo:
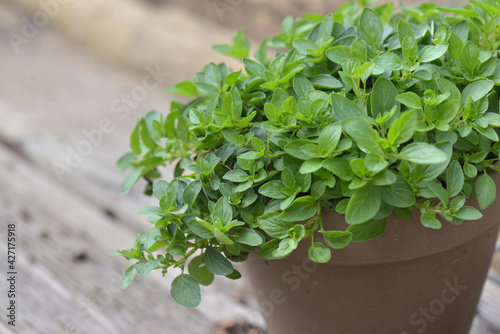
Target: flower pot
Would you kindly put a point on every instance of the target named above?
(409, 280)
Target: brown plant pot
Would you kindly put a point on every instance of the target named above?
(409, 280)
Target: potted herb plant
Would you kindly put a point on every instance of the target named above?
(367, 144)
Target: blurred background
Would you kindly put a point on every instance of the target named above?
(75, 76)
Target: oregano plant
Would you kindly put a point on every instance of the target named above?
(369, 112)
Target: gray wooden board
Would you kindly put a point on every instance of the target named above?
(40, 127)
(71, 92)
(63, 244)
(489, 306)
(68, 278)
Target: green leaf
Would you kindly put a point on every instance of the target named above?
(319, 253)
(339, 167)
(171, 194)
(486, 191)
(368, 230)
(446, 86)
(286, 246)
(217, 263)
(186, 291)
(147, 210)
(191, 192)
(273, 189)
(344, 108)
(199, 271)
(160, 189)
(384, 177)
(202, 230)
(236, 175)
(428, 219)
(383, 96)
(240, 48)
(375, 163)
(223, 211)
(455, 46)
(363, 205)
(301, 85)
(476, 90)
(325, 81)
(272, 113)
(147, 140)
(492, 9)
(301, 209)
(144, 268)
(126, 162)
(489, 132)
(329, 137)
(253, 67)
(248, 236)
(135, 143)
(410, 49)
(422, 153)
(274, 226)
(232, 78)
(186, 88)
(132, 179)
(389, 61)
(423, 174)
(469, 57)
(431, 52)
(311, 165)
(313, 150)
(338, 54)
(410, 99)
(293, 148)
(448, 110)
(403, 128)
(470, 170)
(128, 277)
(267, 251)
(398, 194)
(462, 30)
(303, 181)
(440, 192)
(234, 275)
(362, 133)
(288, 179)
(454, 178)
(232, 104)
(370, 27)
(358, 167)
(261, 53)
(337, 239)
(222, 238)
(468, 213)
(404, 30)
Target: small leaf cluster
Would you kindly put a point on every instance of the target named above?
(369, 112)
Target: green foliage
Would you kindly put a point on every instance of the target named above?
(366, 112)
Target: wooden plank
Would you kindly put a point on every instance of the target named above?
(61, 233)
(137, 34)
(266, 16)
(489, 306)
(66, 241)
(48, 124)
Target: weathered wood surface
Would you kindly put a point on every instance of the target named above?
(49, 94)
(266, 15)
